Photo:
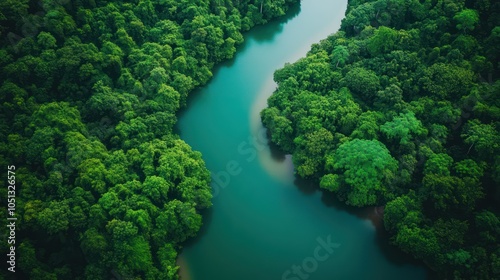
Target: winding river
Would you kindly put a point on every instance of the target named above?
(265, 224)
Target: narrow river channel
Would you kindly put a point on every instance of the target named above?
(264, 223)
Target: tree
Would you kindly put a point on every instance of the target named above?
(363, 83)
(310, 151)
(483, 137)
(467, 45)
(447, 81)
(138, 256)
(14, 10)
(45, 40)
(467, 19)
(390, 97)
(367, 167)
(280, 127)
(402, 127)
(180, 219)
(438, 164)
(340, 55)
(403, 211)
(422, 243)
(140, 218)
(80, 148)
(156, 188)
(121, 230)
(195, 189)
(124, 41)
(451, 232)
(382, 41)
(92, 173)
(330, 182)
(54, 218)
(168, 256)
(451, 193)
(357, 18)
(468, 168)
(488, 225)
(493, 42)
(58, 22)
(367, 125)
(93, 244)
(60, 116)
(460, 258)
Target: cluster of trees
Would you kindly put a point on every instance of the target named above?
(401, 108)
(88, 95)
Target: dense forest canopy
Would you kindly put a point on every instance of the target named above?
(89, 90)
(401, 108)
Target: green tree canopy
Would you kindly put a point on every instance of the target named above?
(367, 169)
(467, 19)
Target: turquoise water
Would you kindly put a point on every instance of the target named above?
(265, 224)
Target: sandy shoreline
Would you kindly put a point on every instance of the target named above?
(183, 271)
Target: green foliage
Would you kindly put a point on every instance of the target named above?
(484, 138)
(330, 182)
(54, 218)
(402, 127)
(367, 169)
(340, 55)
(311, 150)
(403, 210)
(89, 96)
(93, 243)
(467, 19)
(438, 164)
(58, 116)
(382, 41)
(280, 126)
(449, 192)
(422, 243)
(447, 81)
(13, 10)
(156, 188)
(362, 82)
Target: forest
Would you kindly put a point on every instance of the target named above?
(89, 90)
(401, 109)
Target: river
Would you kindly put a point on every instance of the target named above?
(265, 224)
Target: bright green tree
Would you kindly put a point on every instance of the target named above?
(367, 168)
(467, 20)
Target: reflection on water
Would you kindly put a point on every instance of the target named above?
(267, 32)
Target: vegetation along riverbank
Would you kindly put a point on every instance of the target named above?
(89, 92)
(400, 108)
